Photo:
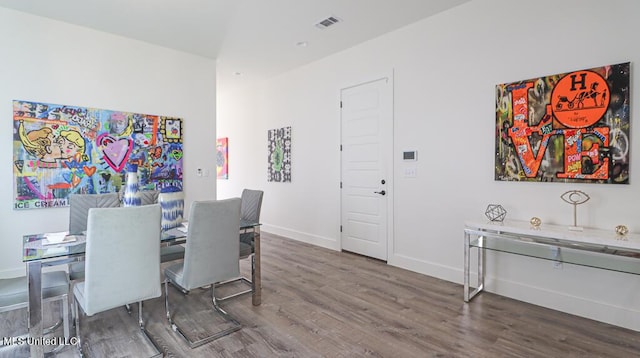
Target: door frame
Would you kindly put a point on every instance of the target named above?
(390, 159)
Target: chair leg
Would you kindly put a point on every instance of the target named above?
(77, 321)
(65, 317)
(223, 312)
(143, 328)
(242, 279)
(193, 344)
(146, 333)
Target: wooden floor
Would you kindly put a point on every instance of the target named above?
(322, 303)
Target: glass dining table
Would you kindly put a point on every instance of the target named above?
(40, 251)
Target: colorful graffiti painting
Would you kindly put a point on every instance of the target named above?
(279, 155)
(59, 150)
(571, 127)
(222, 158)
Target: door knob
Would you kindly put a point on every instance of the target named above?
(381, 192)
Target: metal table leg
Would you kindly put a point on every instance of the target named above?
(468, 295)
(34, 274)
(255, 269)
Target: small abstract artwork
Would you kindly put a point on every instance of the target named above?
(222, 158)
(571, 127)
(60, 150)
(279, 155)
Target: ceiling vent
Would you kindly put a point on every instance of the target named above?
(328, 22)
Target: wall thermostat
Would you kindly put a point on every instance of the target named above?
(411, 155)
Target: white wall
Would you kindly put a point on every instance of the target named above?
(48, 61)
(445, 70)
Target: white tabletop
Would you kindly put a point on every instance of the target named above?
(607, 238)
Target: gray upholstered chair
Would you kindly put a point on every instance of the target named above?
(149, 197)
(122, 261)
(79, 205)
(55, 286)
(211, 256)
(250, 211)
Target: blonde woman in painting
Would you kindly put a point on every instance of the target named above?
(40, 143)
(72, 146)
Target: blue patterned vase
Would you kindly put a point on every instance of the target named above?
(172, 203)
(131, 191)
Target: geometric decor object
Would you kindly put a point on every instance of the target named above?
(495, 213)
(575, 198)
(570, 127)
(279, 155)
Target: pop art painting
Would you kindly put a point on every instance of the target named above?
(59, 150)
(571, 127)
(222, 158)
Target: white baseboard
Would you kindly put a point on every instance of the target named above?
(15, 272)
(447, 273)
(559, 301)
(325, 242)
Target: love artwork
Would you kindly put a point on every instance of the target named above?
(571, 127)
(60, 150)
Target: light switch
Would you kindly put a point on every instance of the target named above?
(410, 172)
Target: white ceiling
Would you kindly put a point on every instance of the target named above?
(256, 38)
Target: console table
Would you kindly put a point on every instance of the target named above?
(602, 249)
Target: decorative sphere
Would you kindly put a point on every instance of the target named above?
(535, 222)
(622, 230)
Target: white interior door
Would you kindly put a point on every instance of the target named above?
(366, 167)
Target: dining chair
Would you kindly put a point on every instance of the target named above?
(55, 287)
(211, 256)
(79, 205)
(249, 211)
(147, 197)
(122, 261)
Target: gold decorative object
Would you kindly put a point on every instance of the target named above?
(622, 230)
(575, 198)
(535, 222)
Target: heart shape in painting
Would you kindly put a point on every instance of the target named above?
(67, 176)
(89, 170)
(176, 154)
(116, 151)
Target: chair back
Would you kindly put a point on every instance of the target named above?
(251, 204)
(149, 197)
(212, 252)
(122, 259)
(79, 205)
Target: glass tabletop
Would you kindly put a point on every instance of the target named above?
(53, 245)
(39, 246)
